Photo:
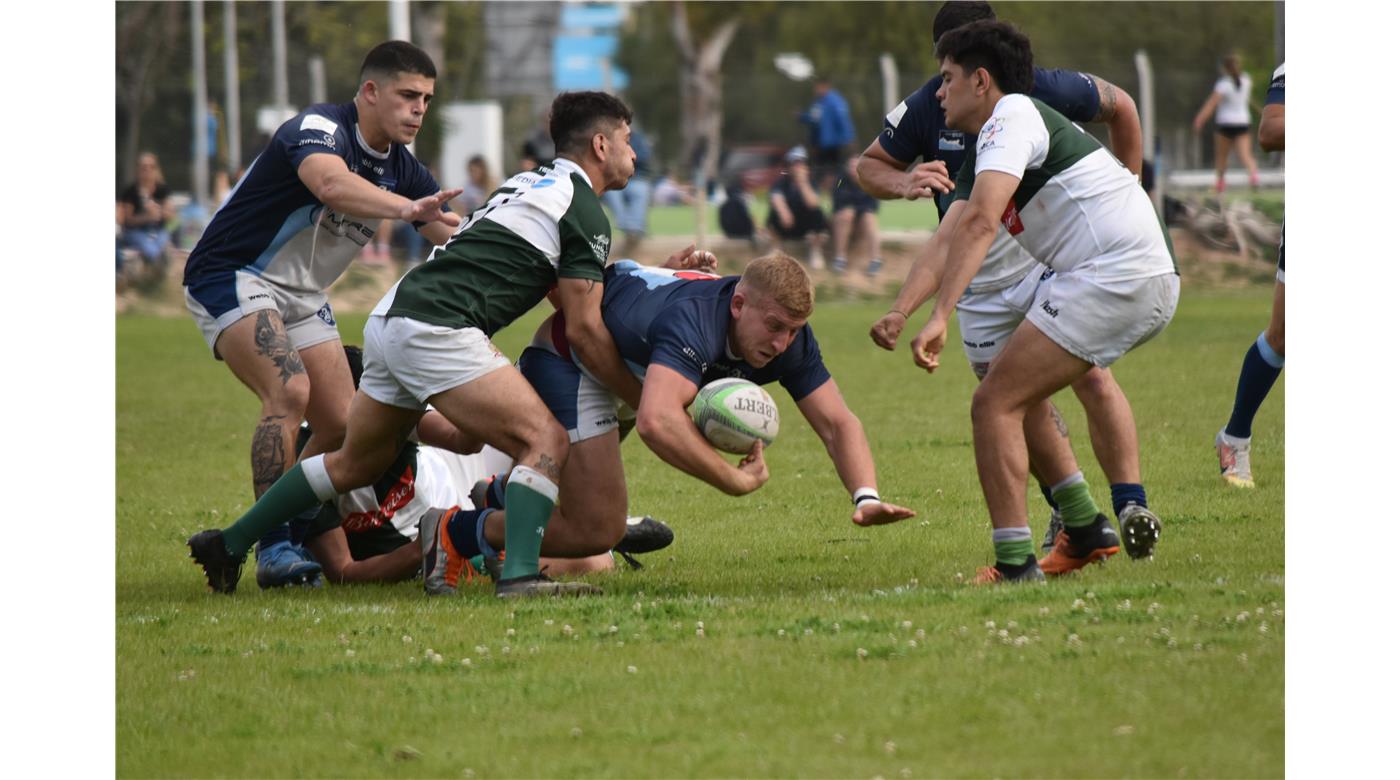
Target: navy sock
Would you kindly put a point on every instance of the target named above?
(1261, 368)
(461, 529)
(300, 525)
(1049, 496)
(1125, 493)
(278, 534)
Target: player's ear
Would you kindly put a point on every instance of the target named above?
(600, 146)
(736, 303)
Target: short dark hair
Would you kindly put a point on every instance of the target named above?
(956, 13)
(576, 116)
(997, 46)
(391, 58)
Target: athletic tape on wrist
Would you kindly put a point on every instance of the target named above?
(863, 494)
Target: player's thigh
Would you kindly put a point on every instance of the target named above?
(593, 492)
(1031, 368)
(332, 386)
(374, 433)
(257, 350)
(1100, 321)
(501, 409)
(1222, 147)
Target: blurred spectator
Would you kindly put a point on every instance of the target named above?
(143, 213)
(669, 192)
(1230, 100)
(629, 205)
(734, 217)
(528, 160)
(796, 209)
(539, 146)
(480, 184)
(853, 212)
(830, 130)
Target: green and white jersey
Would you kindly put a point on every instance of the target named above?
(1076, 204)
(539, 227)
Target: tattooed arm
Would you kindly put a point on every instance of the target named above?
(1118, 110)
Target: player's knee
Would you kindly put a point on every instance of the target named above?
(547, 437)
(986, 403)
(1274, 336)
(289, 400)
(1097, 383)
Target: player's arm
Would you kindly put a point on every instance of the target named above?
(666, 427)
(334, 185)
(1118, 110)
(437, 232)
(844, 438)
(436, 430)
(971, 238)
(780, 205)
(581, 300)
(922, 283)
(1204, 114)
(886, 178)
(1271, 128)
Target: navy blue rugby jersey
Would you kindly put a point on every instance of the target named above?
(680, 319)
(265, 226)
(1275, 93)
(917, 128)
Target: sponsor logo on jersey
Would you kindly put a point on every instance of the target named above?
(1048, 309)
(893, 117)
(325, 140)
(987, 138)
(542, 183)
(1011, 219)
(600, 244)
(318, 122)
(395, 499)
(951, 141)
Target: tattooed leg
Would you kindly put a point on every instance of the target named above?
(270, 448)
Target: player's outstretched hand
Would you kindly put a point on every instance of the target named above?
(754, 468)
(926, 180)
(692, 259)
(880, 513)
(429, 209)
(885, 332)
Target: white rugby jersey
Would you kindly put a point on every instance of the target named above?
(1076, 203)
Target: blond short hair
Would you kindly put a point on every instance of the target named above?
(782, 278)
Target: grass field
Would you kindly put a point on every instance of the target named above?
(826, 650)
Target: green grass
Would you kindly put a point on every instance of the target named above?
(680, 220)
(1172, 667)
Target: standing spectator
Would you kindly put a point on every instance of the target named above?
(1230, 101)
(853, 211)
(795, 212)
(143, 211)
(629, 205)
(829, 129)
(480, 184)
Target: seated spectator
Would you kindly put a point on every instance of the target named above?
(143, 211)
(796, 209)
(853, 211)
(734, 217)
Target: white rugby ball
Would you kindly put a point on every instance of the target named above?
(731, 413)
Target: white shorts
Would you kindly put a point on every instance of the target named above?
(987, 320)
(408, 361)
(581, 404)
(1100, 321)
(220, 300)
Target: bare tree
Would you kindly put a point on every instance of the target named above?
(702, 110)
(145, 41)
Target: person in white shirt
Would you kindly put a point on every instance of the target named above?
(1230, 100)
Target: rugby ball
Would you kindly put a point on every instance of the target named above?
(731, 413)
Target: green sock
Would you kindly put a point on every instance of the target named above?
(288, 497)
(530, 498)
(1077, 506)
(1013, 545)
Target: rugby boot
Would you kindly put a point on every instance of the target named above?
(442, 566)
(1057, 524)
(1141, 530)
(221, 569)
(1095, 542)
(644, 534)
(538, 585)
(996, 575)
(283, 565)
(1234, 460)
